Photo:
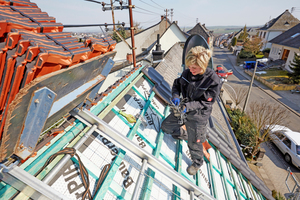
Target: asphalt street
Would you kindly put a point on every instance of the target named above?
(274, 165)
(240, 79)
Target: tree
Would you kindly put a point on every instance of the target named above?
(137, 26)
(240, 95)
(121, 31)
(126, 33)
(295, 75)
(264, 115)
(242, 126)
(243, 36)
(233, 41)
(253, 46)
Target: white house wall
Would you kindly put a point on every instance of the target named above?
(171, 37)
(142, 40)
(276, 53)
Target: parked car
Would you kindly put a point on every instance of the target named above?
(251, 64)
(221, 72)
(288, 142)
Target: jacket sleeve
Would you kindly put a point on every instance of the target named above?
(206, 100)
(176, 89)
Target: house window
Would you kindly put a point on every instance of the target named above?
(264, 34)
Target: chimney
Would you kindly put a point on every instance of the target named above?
(162, 17)
(158, 54)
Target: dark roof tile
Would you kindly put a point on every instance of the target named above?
(290, 38)
(278, 23)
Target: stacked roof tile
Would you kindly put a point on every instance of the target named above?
(32, 45)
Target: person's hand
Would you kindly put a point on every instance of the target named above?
(176, 101)
(184, 111)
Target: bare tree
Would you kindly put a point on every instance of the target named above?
(137, 28)
(240, 95)
(264, 115)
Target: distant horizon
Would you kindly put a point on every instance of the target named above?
(90, 30)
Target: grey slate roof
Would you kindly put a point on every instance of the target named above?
(237, 33)
(163, 89)
(286, 38)
(171, 66)
(278, 22)
(200, 29)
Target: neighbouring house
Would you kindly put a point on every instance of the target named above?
(285, 45)
(142, 40)
(252, 33)
(276, 26)
(170, 37)
(237, 34)
(204, 32)
(229, 38)
(217, 41)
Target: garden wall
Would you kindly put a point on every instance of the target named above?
(271, 85)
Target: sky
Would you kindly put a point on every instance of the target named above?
(186, 12)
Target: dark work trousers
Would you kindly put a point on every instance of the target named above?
(196, 131)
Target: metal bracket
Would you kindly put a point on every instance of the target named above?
(39, 108)
(4, 168)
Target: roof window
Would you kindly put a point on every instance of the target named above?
(295, 35)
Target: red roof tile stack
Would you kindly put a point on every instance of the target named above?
(32, 44)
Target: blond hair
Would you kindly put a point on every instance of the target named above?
(199, 56)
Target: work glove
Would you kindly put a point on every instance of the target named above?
(176, 101)
(184, 111)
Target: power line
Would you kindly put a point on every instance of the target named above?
(102, 3)
(185, 15)
(158, 4)
(143, 12)
(151, 20)
(146, 10)
(94, 1)
(148, 22)
(150, 5)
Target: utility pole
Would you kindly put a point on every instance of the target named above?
(166, 17)
(132, 32)
(121, 7)
(113, 14)
(250, 86)
(172, 14)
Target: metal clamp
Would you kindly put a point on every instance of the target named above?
(4, 168)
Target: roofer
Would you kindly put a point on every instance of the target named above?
(198, 88)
